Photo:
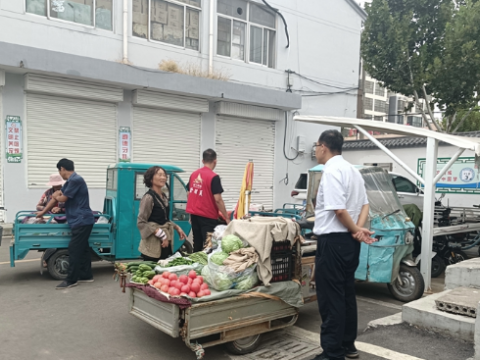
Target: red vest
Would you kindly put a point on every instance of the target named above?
(200, 199)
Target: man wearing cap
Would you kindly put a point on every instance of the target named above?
(80, 219)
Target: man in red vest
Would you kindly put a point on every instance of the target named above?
(205, 200)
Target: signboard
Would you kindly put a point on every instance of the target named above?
(14, 139)
(461, 178)
(125, 144)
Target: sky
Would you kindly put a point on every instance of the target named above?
(363, 2)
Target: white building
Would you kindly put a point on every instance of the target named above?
(75, 72)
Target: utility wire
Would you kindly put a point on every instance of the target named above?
(314, 81)
(284, 21)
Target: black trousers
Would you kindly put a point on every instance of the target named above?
(335, 265)
(200, 227)
(80, 262)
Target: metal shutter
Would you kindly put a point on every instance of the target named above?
(2, 137)
(167, 137)
(237, 142)
(82, 131)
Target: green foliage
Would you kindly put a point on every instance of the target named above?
(411, 44)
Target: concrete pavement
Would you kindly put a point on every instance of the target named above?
(91, 321)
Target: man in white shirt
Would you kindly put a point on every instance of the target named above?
(341, 211)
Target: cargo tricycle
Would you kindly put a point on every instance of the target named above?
(115, 235)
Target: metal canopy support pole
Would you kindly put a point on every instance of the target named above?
(389, 153)
(428, 212)
(449, 165)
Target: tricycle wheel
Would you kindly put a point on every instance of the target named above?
(186, 248)
(57, 264)
(245, 345)
(412, 286)
(438, 266)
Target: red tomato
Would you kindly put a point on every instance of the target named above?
(171, 290)
(185, 288)
(200, 294)
(157, 278)
(172, 277)
(166, 274)
(189, 281)
(206, 292)
(158, 285)
(183, 279)
(183, 294)
(195, 287)
(150, 282)
(192, 274)
(200, 278)
(179, 285)
(192, 294)
(175, 292)
(166, 282)
(173, 283)
(164, 288)
(204, 286)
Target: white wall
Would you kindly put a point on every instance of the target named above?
(324, 45)
(410, 156)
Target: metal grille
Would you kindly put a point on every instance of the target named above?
(237, 142)
(167, 137)
(82, 131)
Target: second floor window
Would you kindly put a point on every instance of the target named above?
(172, 22)
(246, 32)
(96, 13)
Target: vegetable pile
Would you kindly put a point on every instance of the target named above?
(179, 261)
(231, 243)
(191, 285)
(142, 271)
(199, 257)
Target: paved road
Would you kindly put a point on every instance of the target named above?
(91, 321)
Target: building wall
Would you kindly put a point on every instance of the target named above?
(410, 157)
(324, 46)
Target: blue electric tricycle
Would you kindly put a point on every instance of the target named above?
(389, 260)
(115, 236)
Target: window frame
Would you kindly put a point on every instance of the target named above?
(185, 7)
(248, 25)
(94, 26)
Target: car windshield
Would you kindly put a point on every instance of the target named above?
(381, 195)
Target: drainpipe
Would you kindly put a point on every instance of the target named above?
(210, 35)
(125, 32)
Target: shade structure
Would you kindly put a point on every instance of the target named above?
(243, 203)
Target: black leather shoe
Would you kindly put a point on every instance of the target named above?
(322, 356)
(351, 351)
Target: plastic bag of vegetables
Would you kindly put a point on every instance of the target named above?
(232, 243)
(221, 277)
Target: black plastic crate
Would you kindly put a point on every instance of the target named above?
(281, 260)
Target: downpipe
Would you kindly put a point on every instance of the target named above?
(210, 37)
(125, 32)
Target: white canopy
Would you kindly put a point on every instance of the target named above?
(431, 176)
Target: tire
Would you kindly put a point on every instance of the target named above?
(413, 285)
(438, 266)
(187, 247)
(57, 264)
(244, 346)
(459, 256)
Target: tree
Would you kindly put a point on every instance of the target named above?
(427, 49)
(471, 122)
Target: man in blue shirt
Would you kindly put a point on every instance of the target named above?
(80, 219)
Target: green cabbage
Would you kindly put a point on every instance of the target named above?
(247, 282)
(221, 281)
(218, 258)
(231, 243)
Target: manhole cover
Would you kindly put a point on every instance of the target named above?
(281, 348)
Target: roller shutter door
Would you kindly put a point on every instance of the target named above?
(167, 137)
(80, 130)
(237, 142)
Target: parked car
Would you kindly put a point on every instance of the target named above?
(299, 194)
(407, 191)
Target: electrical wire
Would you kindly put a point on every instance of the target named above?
(284, 142)
(315, 81)
(284, 21)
